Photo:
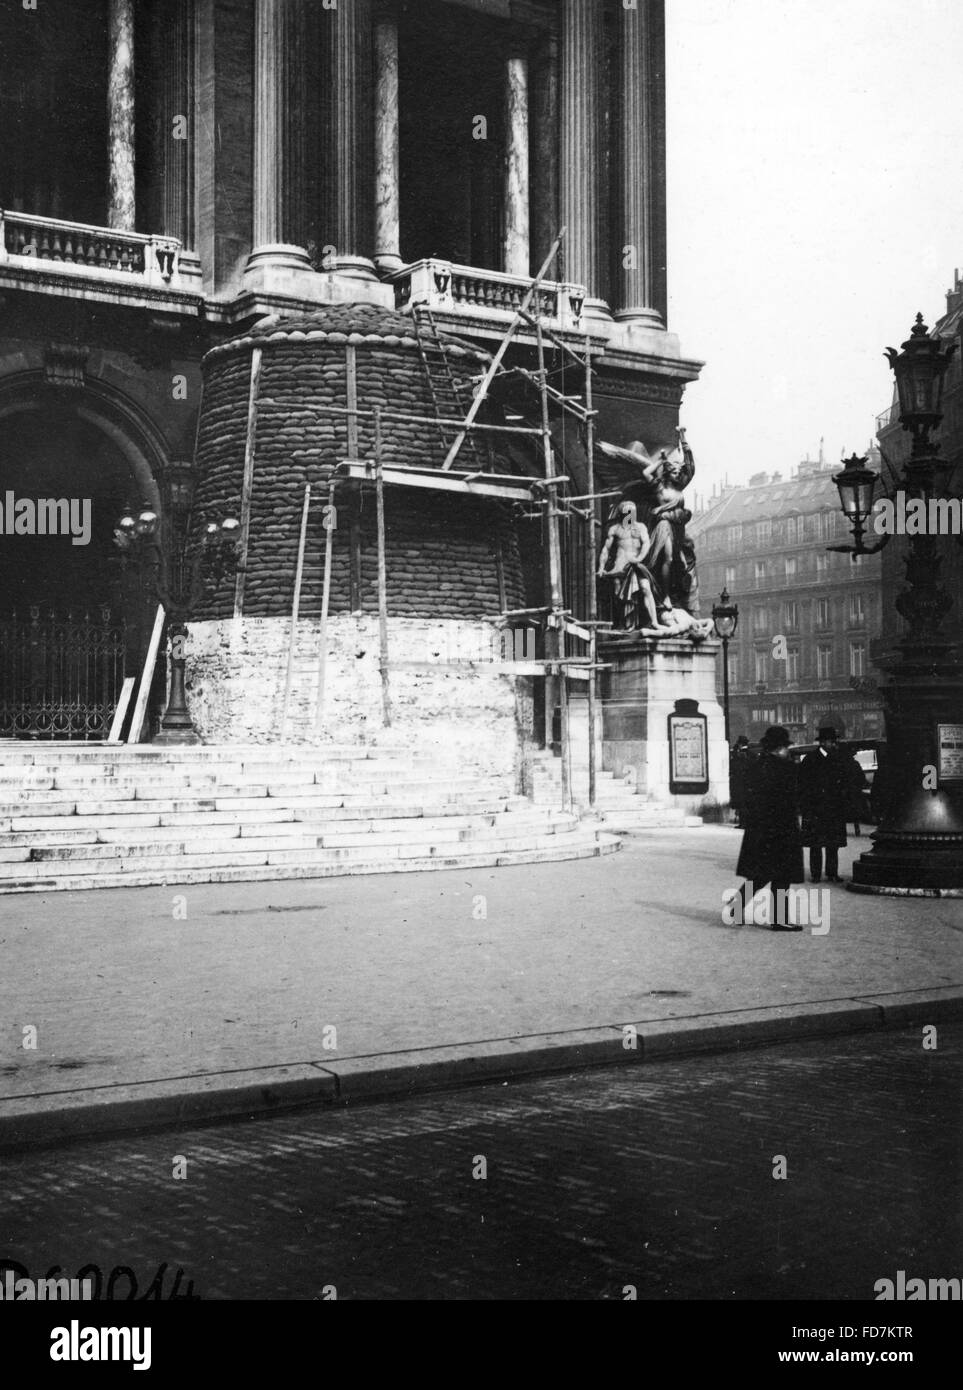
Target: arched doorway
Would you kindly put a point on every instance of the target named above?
(71, 621)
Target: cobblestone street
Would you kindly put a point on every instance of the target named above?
(660, 1178)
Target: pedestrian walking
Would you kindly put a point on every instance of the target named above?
(825, 785)
(771, 856)
(739, 761)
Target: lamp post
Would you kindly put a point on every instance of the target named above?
(181, 566)
(725, 620)
(918, 845)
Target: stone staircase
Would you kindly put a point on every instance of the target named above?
(88, 816)
(619, 806)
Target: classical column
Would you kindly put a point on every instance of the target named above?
(517, 250)
(641, 166)
(269, 47)
(580, 148)
(544, 166)
(273, 265)
(176, 35)
(353, 142)
(121, 212)
(387, 237)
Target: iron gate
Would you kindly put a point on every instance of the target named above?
(60, 675)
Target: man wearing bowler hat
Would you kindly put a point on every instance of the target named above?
(824, 784)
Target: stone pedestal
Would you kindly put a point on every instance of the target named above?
(918, 845)
(646, 678)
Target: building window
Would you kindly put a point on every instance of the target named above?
(824, 661)
(857, 658)
(823, 612)
(857, 613)
(760, 620)
(762, 666)
(733, 669)
(791, 714)
(792, 530)
(792, 615)
(730, 576)
(790, 567)
(764, 715)
(822, 562)
(760, 571)
(733, 537)
(763, 532)
(792, 663)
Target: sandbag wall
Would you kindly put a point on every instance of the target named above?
(452, 562)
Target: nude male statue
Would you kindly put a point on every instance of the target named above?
(621, 560)
(660, 487)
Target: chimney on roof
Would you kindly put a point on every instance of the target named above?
(822, 456)
(954, 297)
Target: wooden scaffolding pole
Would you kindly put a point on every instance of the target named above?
(591, 548)
(382, 573)
(330, 523)
(557, 638)
(295, 609)
(496, 361)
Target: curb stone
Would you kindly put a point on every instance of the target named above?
(191, 1100)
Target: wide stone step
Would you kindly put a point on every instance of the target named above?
(578, 846)
(98, 841)
(263, 812)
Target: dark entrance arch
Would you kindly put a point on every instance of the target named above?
(71, 623)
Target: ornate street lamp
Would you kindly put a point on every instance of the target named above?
(725, 620)
(918, 845)
(181, 566)
(857, 492)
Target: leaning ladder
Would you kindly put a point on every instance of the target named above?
(445, 395)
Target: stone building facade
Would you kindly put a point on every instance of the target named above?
(766, 543)
(187, 182)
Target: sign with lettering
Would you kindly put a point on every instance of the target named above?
(950, 737)
(688, 753)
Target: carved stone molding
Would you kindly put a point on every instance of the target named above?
(65, 365)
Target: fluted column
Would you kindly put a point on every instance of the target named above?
(544, 136)
(353, 140)
(580, 147)
(269, 49)
(517, 247)
(122, 204)
(274, 265)
(641, 165)
(176, 30)
(387, 239)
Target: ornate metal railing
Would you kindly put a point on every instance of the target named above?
(60, 676)
(444, 286)
(75, 246)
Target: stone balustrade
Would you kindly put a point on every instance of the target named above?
(75, 246)
(449, 288)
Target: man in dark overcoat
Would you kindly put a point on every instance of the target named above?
(771, 854)
(824, 797)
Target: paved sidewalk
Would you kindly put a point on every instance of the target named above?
(429, 979)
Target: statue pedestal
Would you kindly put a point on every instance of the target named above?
(646, 680)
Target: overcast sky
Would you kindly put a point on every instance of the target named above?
(815, 204)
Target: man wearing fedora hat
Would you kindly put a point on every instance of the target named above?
(770, 854)
(824, 795)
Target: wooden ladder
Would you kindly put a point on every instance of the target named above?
(445, 393)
